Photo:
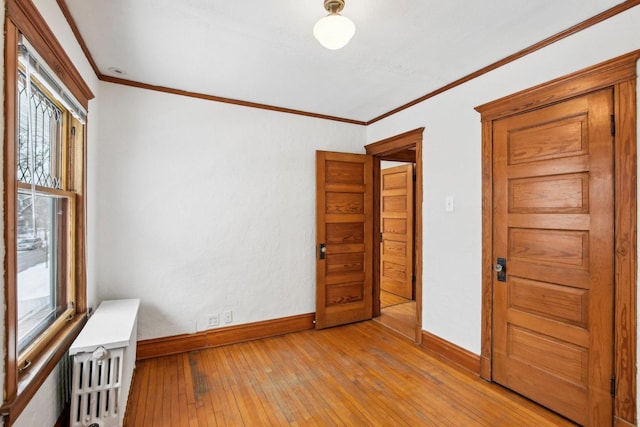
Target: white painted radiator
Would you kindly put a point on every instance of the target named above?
(104, 356)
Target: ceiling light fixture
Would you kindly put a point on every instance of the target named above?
(334, 30)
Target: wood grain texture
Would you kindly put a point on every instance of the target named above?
(534, 195)
(626, 250)
(377, 182)
(158, 347)
(29, 385)
(359, 374)
(388, 299)
(397, 248)
(554, 140)
(400, 318)
(549, 300)
(486, 334)
(9, 199)
(609, 74)
(451, 353)
(548, 263)
(619, 422)
(590, 79)
(395, 144)
(417, 244)
(344, 229)
(385, 150)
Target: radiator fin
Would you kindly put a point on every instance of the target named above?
(64, 382)
(96, 386)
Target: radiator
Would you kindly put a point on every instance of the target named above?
(104, 356)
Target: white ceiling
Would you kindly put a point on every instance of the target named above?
(263, 51)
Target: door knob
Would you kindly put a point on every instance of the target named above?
(501, 269)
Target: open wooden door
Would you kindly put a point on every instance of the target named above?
(344, 218)
(396, 230)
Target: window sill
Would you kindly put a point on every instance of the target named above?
(30, 381)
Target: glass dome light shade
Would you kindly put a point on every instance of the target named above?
(334, 31)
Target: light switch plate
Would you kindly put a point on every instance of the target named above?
(449, 204)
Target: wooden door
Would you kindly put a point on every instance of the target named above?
(344, 221)
(396, 230)
(553, 223)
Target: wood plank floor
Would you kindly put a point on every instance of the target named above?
(387, 299)
(355, 375)
(398, 313)
(400, 318)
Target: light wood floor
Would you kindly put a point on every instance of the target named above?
(355, 375)
(387, 299)
(398, 313)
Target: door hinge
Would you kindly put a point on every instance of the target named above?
(613, 386)
(613, 125)
(413, 278)
(381, 238)
(414, 177)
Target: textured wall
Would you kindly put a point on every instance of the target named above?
(205, 207)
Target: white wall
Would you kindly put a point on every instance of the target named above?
(452, 166)
(205, 207)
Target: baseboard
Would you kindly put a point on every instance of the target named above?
(451, 353)
(147, 349)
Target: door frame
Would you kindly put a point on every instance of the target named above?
(397, 148)
(618, 74)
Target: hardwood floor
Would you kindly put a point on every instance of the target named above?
(400, 318)
(387, 299)
(356, 375)
(398, 313)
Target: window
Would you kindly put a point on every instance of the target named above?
(44, 200)
(44, 286)
(49, 132)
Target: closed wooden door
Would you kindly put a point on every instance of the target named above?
(553, 224)
(344, 219)
(396, 228)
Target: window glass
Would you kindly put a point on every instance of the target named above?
(39, 136)
(41, 290)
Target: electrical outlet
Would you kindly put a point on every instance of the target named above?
(228, 316)
(213, 320)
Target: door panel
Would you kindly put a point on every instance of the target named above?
(344, 220)
(396, 228)
(553, 222)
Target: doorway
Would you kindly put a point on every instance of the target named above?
(348, 241)
(397, 247)
(396, 232)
